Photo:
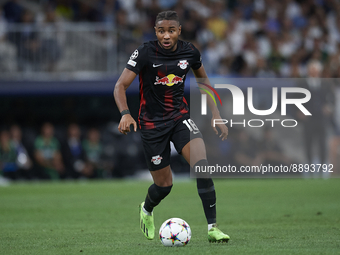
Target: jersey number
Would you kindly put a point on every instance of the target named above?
(191, 125)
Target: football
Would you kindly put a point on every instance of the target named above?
(175, 232)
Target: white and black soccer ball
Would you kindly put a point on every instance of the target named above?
(175, 232)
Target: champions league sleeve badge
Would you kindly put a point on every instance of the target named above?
(134, 55)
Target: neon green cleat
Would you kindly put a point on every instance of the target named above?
(146, 223)
(216, 235)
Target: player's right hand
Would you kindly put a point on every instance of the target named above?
(222, 127)
(125, 122)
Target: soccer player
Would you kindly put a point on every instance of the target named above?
(162, 66)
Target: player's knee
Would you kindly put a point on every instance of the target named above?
(164, 183)
(158, 193)
(204, 184)
(163, 191)
(202, 163)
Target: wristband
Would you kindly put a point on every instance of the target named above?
(125, 112)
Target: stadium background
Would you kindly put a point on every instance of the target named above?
(59, 61)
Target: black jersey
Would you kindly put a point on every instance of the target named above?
(162, 74)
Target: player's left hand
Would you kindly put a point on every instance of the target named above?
(222, 127)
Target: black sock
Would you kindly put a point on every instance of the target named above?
(155, 195)
(206, 191)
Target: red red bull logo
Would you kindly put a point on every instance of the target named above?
(169, 80)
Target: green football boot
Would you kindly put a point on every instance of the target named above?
(146, 223)
(216, 235)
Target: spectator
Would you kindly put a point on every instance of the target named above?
(246, 150)
(75, 160)
(271, 150)
(275, 59)
(108, 10)
(27, 44)
(204, 34)
(262, 69)
(212, 55)
(293, 68)
(8, 156)
(167, 4)
(50, 32)
(235, 33)
(287, 45)
(13, 11)
(47, 153)
(201, 7)
(293, 9)
(3, 26)
(85, 13)
(7, 51)
(152, 12)
(250, 52)
(320, 107)
(190, 27)
(334, 153)
(64, 8)
(94, 151)
(137, 16)
(24, 163)
(216, 23)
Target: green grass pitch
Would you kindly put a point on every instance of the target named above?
(262, 216)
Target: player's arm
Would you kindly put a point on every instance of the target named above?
(119, 94)
(203, 77)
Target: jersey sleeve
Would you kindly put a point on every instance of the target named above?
(138, 59)
(197, 59)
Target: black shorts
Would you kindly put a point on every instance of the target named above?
(156, 141)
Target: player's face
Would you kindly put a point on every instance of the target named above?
(167, 32)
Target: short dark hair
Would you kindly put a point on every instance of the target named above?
(167, 15)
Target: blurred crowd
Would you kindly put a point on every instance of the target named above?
(237, 38)
(248, 38)
(72, 152)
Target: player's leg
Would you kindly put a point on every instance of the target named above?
(157, 152)
(156, 193)
(195, 154)
(159, 189)
(205, 186)
(184, 139)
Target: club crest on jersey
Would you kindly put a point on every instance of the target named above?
(183, 64)
(156, 159)
(169, 80)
